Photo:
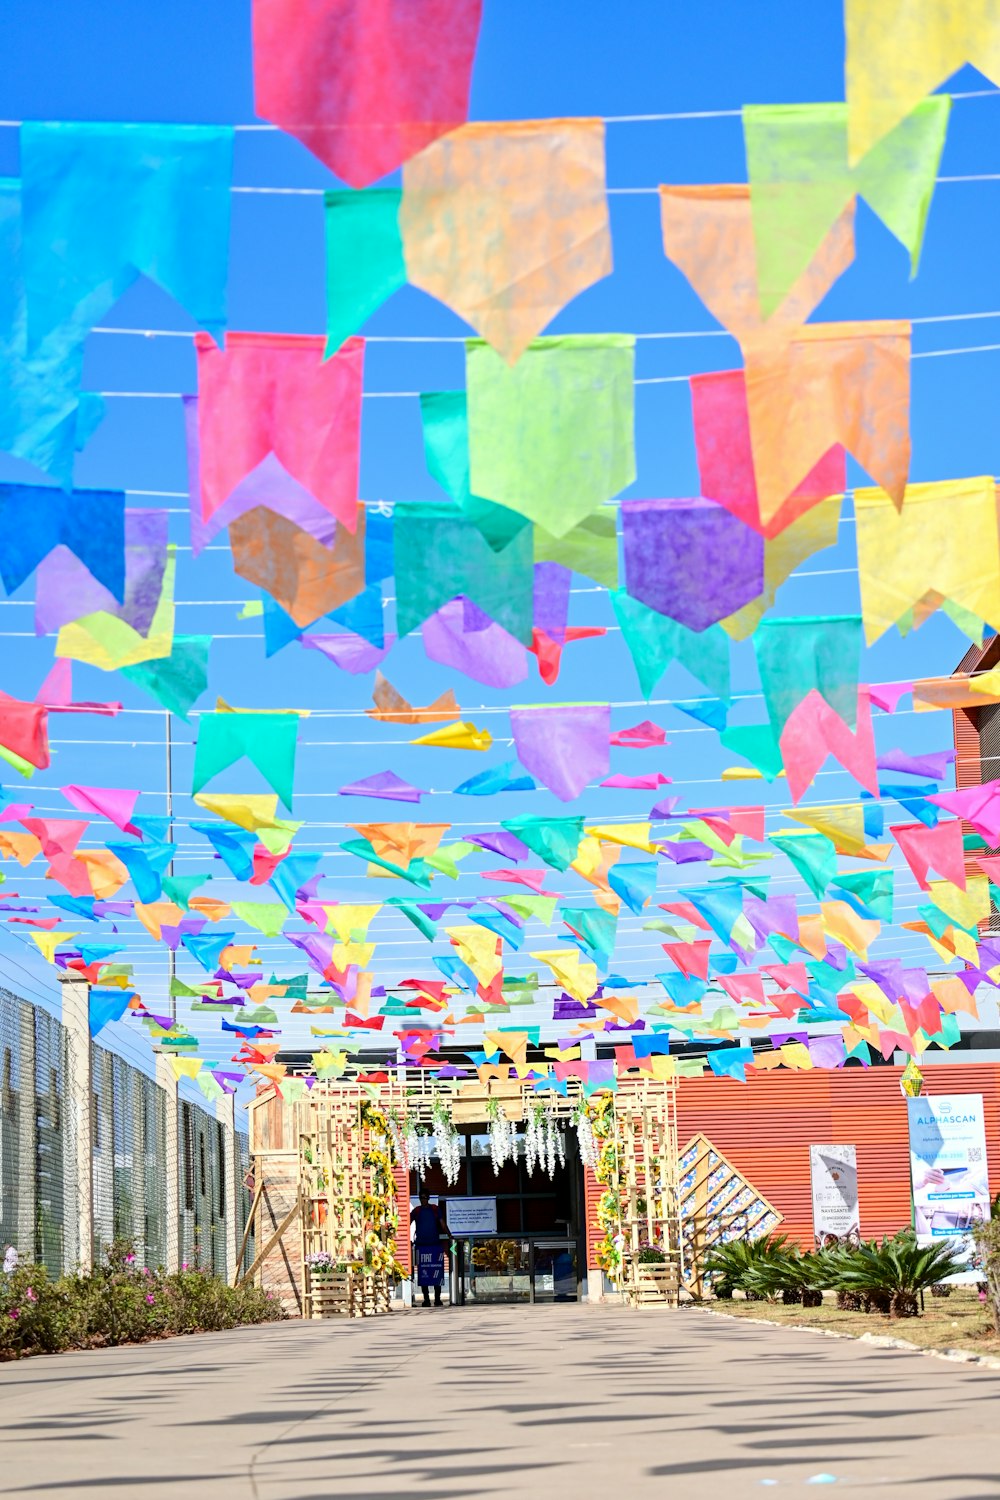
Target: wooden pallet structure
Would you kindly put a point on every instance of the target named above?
(646, 1135)
(317, 1192)
(716, 1204)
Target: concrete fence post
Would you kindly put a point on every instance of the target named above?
(225, 1113)
(167, 1081)
(27, 1135)
(79, 1100)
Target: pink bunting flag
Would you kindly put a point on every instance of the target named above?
(56, 693)
(533, 879)
(794, 976)
(647, 783)
(937, 848)
(59, 838)
(886, 695)
(24, 730)
(268, 485)
(273, 393)
(15, 811)
(364, 84)
(978, 805)
(565, 745)
(745, 989)
(814, 730)
(690, 958)
(114, 803)
(640, 736)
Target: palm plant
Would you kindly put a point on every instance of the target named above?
(729, 1264)
(891, 1276)
(795, 1275)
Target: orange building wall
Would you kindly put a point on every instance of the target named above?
(766, 1126)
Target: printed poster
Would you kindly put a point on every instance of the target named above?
(834, 1173)
(951, 1189)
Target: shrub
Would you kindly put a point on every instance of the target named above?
(649, 1255)
(987, 1240)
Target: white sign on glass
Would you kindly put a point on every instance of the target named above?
(471, 1215)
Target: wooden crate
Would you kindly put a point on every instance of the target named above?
(348, 1294)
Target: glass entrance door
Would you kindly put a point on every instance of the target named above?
(554, 1271)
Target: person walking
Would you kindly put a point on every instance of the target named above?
(428, 1248)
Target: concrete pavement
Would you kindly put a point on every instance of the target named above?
(544, 1401)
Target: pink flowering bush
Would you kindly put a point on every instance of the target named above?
(120, 1302)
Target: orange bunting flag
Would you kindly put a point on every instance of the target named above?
(401, 842)
(507, 223)
(307, 579)
(828, 383)
(392, 708)
(708, 234)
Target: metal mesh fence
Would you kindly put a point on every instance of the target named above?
(39, 1200)
(129, 1128)
(54, 1188)
(38, 1212)
(206, 1198)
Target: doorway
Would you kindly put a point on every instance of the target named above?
(518, 1235)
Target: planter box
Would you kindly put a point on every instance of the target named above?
(649, 1284)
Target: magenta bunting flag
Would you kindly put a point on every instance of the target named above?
(364, 84)
(461, 636)
(111, 802)
(564, 745)
(725, 456)
(273, 393)
(691, 560)
(978, 805)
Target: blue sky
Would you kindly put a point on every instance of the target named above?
(187, 61)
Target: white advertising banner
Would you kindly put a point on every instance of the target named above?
(834, 1174)
(951, 1189)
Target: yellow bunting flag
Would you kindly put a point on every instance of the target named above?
(457, 737)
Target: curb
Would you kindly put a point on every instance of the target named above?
(874, 1340)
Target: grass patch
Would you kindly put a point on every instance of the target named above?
(960, 1321)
